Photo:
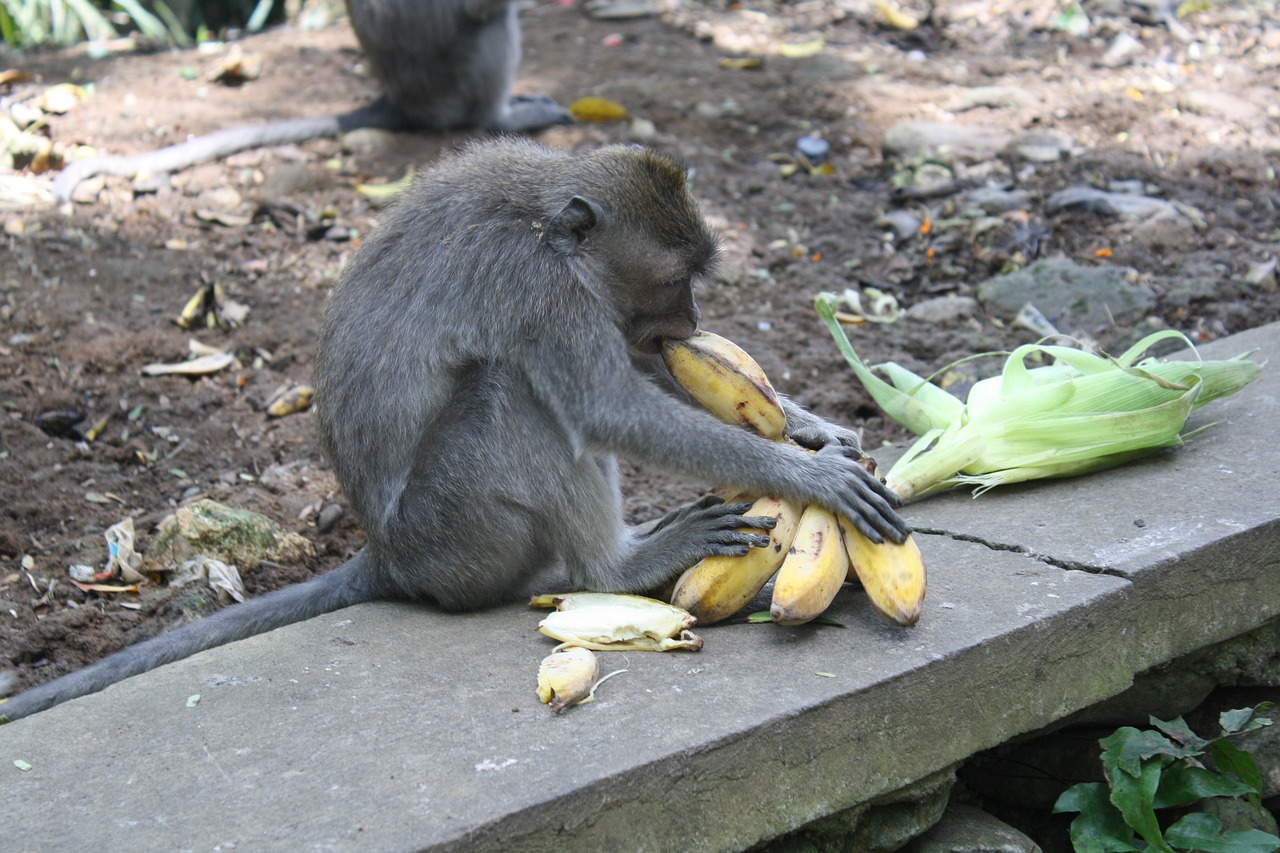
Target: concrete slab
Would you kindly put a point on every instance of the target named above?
(388, 727)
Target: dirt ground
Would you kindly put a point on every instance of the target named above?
(89, 294)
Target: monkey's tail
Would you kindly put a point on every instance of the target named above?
(344, 586)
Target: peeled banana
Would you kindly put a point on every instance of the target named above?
(566, 677)
(607, 622)
(721, 376)
(813, 571)
(893, 575)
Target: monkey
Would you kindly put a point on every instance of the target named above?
(441, 65)
(485, 357)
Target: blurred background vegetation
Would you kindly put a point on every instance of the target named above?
(34, 23)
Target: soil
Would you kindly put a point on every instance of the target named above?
(89, 294)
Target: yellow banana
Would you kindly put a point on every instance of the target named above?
(813, 571)
(728, 382)
(715, 588)
(566, 677)
(893, 575)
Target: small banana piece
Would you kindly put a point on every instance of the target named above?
(893, 575)
(715, 588)
(813, 571)
(566, 677)
(722, 377)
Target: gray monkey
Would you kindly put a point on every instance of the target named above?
(486, 351)
(442, 64)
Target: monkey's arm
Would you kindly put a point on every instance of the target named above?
(608, 405)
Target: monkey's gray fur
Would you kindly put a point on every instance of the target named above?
(442, 64)
(485, 353)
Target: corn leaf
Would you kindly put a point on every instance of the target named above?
(1080, 412)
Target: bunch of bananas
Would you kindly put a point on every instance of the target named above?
(811, 551)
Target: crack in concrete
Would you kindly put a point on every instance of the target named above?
(1047, 559)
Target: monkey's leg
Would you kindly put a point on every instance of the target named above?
(531, 113)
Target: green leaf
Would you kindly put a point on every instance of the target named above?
(1242, 720)
(1232, 759)
(1181, 784)
(1178, 729)
(1202, 832)
(1133, 797)
(1127, 748)
(1099, 828)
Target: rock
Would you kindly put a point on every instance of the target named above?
(902, 223)
(994, 200)
(996, 97)
(1071, 296)
(1125, 205)
(964, 829)
(949, 143)
(236, 536)
(292, 179)
(1042, 146)
(884, 824)
(943, 310)
(329, 516)
(367, 139)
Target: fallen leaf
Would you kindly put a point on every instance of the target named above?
(201, 366)
(803, 49)
(592, 108)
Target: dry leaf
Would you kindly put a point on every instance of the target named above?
(592, 108)
(802, 50)
(201, 366)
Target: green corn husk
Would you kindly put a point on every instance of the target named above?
(1081, 413)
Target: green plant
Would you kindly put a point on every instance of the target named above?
(1150, 770)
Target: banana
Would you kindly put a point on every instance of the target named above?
(728, 382)
(715, 588)
(566, 677)
(614, 623)
(813, 571)
(893, 575)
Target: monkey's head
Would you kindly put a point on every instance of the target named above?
(637, 222)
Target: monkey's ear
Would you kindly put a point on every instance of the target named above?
(569, 229)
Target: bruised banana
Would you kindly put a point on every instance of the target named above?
(722, 377)
(893, 575)
(566, 677)
(715, 588)
(729, 383)
(813, 571)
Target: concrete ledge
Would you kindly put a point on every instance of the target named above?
(387, 727)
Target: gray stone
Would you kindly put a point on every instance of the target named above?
(1071, 296)
(292, 179)
(964, 829)
(949, 143)
(943, 310)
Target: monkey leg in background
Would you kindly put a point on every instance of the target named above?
(442, 64)
(487, 352)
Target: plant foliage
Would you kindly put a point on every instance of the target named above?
(1149, 770)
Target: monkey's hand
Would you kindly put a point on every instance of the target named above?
(847, 488)
(808, 430)
(707, 528)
